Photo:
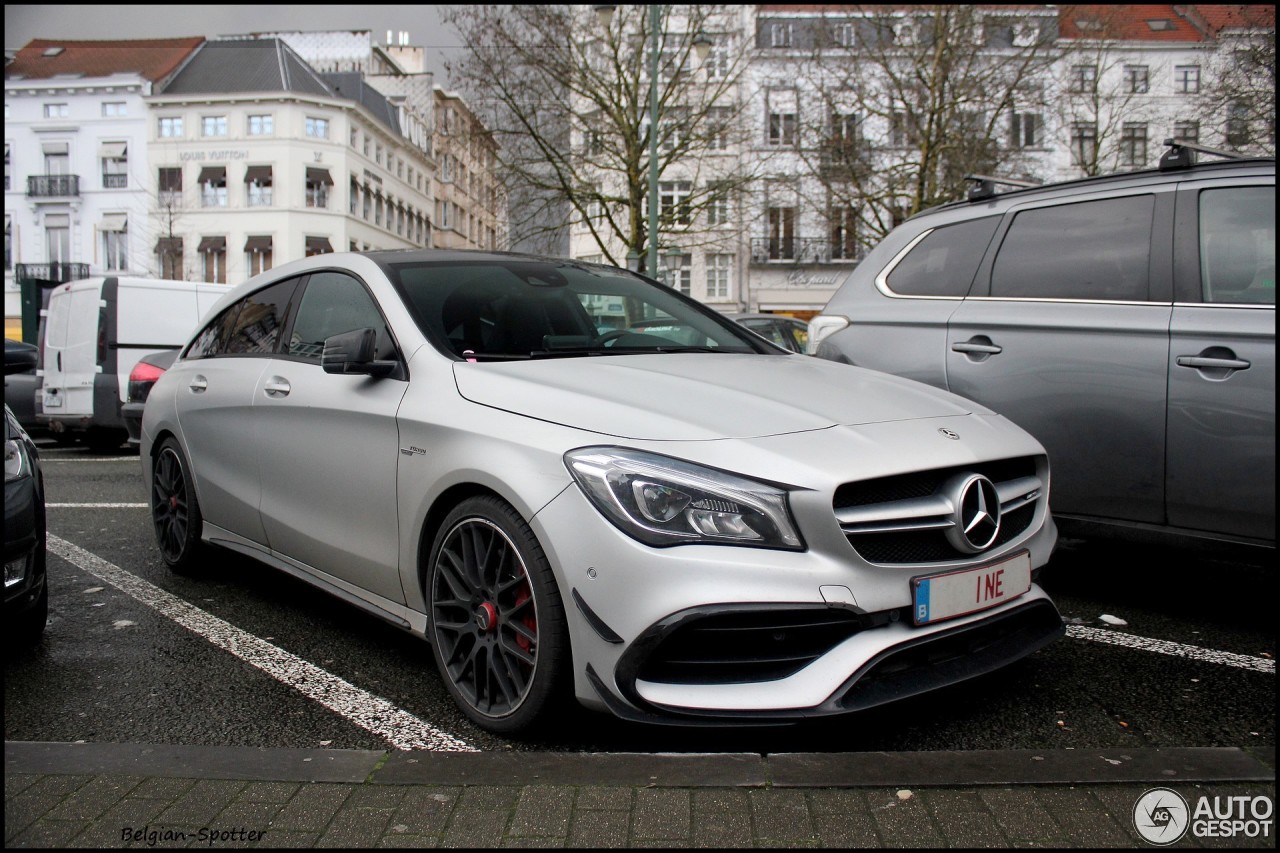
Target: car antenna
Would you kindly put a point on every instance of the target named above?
(1182, 155)
(984, 186)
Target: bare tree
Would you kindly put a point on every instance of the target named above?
(568, 102)
(1241, 88)
(911, 99)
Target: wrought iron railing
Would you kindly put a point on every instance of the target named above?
(59, 271)
(51, 186)
(804, 250)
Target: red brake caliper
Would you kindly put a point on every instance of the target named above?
(528, 620)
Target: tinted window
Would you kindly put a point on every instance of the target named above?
(211, 339)
(944, 263)
(768, 329)
(1091, 250)
(1238, 244)
(257, 326)
(334, 303)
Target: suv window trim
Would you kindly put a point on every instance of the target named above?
(882, 278)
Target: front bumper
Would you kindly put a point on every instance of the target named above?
(854, 646)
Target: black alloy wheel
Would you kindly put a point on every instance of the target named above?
(175, 511)
(496, 620)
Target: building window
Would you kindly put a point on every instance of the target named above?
(377, 209)
(257, 255)
(719, 276)
(114, 109)
(258, 183)
(1186, 131)
(115, 166)
(844, 233)
(368, 204)
(1133, 144)
(213, 126)
(367, 143)
(783, 117)
(1136, 79)
(1186, 79)
(353, 197)
(1084, 143)
(261, 125)
(842, 33)
(782, 233)
(1026, 130)
(171, 127)
(718, 206)
(1237, 124)
(213, 253)
(317, 128)
(718, 62)
(673, 202)
(903, 131)
(1084, 79)
(318, 183)
(213, 186)
(844, 136)
(170, 185)
(169, 250)
(115, 244)
(57, 233)
(780, 34)
(56, 111)
(681, 277)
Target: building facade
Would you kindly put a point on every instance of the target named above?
(471, 201)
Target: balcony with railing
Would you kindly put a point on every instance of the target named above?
(804, 250)
(53, 186)
(57, 271)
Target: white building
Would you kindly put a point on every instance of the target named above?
(78, 178)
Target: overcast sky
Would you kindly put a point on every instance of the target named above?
(22, 23)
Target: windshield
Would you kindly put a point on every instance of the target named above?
(517, 308)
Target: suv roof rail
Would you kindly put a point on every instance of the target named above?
(984, 186)
(1182, 155)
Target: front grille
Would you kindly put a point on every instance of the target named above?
(743, 647)
(905, 518)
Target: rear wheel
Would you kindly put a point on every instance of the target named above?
(175, 512)
(495, 617)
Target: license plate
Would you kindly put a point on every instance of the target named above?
(52, 400)
(951, 594)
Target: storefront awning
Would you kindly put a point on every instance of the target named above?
(257, 174)
(212, 244)
(316, 175)
(258, 244)
(169, 246)
(213, 175)
(115, 221)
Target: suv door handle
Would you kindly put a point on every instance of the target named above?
(1198, 362)
(198, 384)
(277, 386)
(979, 347)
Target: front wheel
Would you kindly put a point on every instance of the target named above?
(495, 617)
(175, 512)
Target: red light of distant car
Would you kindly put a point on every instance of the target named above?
(145, 373)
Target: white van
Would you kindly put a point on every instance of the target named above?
(94, 332)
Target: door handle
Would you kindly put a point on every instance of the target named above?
(977, 348)
(277, 386)
(59, 361)
(198, 384)
(1200, 362)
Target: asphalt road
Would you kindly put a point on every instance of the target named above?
(113, 669)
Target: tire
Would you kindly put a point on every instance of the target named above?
(27, 627)
(495, 618)
(175, 511)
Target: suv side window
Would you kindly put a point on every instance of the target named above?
(1238, 245)
(212, 338)
(334, 303)
(1092, 250)
(945, 262)
(261, 314)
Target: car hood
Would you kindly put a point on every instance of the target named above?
(697, 396)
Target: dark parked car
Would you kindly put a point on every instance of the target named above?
(144, 374)
(20, 388)
(26, 594)
(1127, 321)
(784, 331)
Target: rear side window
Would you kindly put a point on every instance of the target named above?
(211, 340)
(1238, 245)
(257, 326)
(1093, 250)
(334, 303)
(945, 262)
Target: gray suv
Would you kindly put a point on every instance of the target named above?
(1126, 321)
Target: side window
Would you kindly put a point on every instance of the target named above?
(257, 326)
(768, 329)
(1238, 245)
(212, 338)
(334, 303)
(945, 262)
(1094, 250)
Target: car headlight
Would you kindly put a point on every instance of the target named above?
(663, 501)
(16, 463)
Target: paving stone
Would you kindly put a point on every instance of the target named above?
(163, 789)
(202, 803)
(408, 841)
(425, 811)
(1022, 817)
(604, 798)
(1083, 817)
(475, 827)
(851, 829)
(312, 808)
(661, 813)
(721, 818)
(355, 827)
(94, 798)
(543, 810)
(781, 814)
(902, 823)
(49, 833)
(269, 792)
(599, 828)
(18, 782)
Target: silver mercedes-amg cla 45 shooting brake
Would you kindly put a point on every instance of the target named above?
(693, 528)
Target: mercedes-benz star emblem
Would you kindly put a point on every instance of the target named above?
(954, 436)
(977, 513)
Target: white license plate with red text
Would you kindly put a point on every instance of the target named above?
(951, 594)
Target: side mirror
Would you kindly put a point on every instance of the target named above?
(352, 354)
(19, 357)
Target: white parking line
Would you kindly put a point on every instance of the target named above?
(45, 458)
(1167, 647)
(95, 506)
(372, 713)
